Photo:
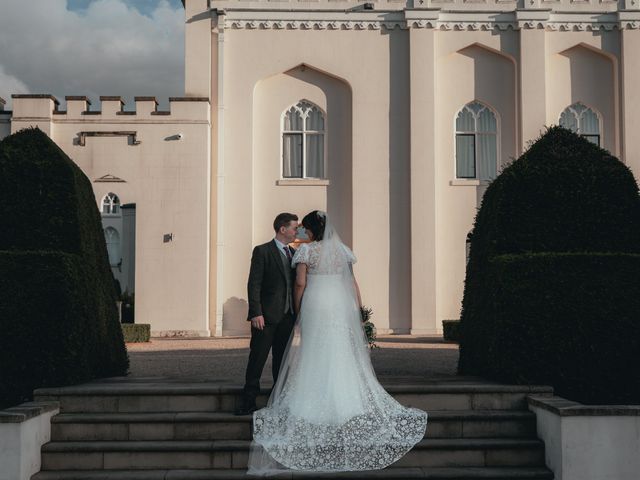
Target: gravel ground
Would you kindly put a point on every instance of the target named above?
(402, 358)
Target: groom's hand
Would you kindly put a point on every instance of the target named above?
(258, 322)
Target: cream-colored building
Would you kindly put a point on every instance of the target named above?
(391, 115)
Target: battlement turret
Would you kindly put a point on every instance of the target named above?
(44, 107)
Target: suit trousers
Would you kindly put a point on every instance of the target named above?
(274, 337)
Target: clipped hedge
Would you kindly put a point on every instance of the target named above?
(564, 195)
(46, 323)
(56, 273)
(451, 330)
(136, 332)
(569, 320)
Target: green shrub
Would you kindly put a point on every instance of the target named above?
(136, 332)
(56, 273)
(569, 320)
(451, 330)
(563, 195)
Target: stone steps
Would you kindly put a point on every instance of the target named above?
(395, 473)
(111, 397)
(74, 427)
(151, 429)
(233, 454)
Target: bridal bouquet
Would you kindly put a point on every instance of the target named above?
(369, 327)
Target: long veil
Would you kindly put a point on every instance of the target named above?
(327, 411)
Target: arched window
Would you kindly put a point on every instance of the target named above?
(582, 120)
(303, 140)
(112, 238)
(111, 204)
(476, 142)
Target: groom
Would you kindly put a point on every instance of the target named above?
(270, 293)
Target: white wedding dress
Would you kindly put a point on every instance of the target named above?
(327, 411)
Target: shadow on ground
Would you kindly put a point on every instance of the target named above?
(404, 359)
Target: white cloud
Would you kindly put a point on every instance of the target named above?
(8, 85)
(108, 49)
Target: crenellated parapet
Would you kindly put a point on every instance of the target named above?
(33, 107)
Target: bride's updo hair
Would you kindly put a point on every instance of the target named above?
(315, 222)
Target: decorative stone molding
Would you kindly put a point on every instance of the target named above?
(476, 26)
(582, 27)
(313, 182)
(109, 179)
(629, 20)
(314, 25)
(630, 25)
(544, 19)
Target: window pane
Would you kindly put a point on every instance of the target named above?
(589, 123)
(304, 106)
(475, 107)
(465, 121)
(465, 156)
(487, 121)
(487, 156)
(315, 121)
(593, 139)
(293, 120)
(578, 108)
(315, 156)
(569, 120)
(113, 245)
(292, 155)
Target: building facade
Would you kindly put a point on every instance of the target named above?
(391, 115)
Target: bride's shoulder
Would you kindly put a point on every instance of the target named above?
(302, 254)
(351, 258)
(303, 247)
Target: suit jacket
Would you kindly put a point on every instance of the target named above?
(267, 285)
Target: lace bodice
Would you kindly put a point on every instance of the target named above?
(335, 264)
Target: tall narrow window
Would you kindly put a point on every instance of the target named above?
(582, 120)
(112, 237)
(476, 142)
(111, 204)
(303, 141)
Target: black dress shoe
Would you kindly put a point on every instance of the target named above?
(246, 409)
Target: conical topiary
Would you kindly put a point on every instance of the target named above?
(550, 271)
(59, 318)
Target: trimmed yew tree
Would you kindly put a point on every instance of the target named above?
(552, 289)
(58, 310)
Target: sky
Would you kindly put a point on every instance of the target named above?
(92, 47)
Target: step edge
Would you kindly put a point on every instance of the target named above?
(227, 445)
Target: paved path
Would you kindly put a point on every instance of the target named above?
(403, 358)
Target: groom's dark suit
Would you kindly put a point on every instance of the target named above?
(270, 293)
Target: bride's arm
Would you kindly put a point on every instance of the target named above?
(301, 284)
(355, 284)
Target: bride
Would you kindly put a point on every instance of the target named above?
(327, 411)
